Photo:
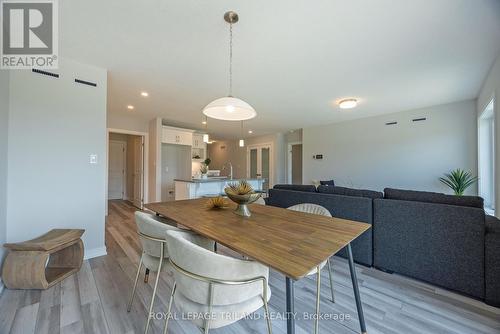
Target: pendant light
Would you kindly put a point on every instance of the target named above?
(230, 108)
(242, 141)
(206, 139)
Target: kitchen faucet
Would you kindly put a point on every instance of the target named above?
(230, 168)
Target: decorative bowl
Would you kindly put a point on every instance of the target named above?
(243, 201)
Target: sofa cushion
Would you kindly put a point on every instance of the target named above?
(327, 183)
(350, 192)
(297, 187)
(492, 224)
(432, 197)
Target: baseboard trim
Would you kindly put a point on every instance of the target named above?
(95, 252)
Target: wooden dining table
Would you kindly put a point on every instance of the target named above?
(290, 242)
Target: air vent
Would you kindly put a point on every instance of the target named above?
(419, 119)
(391, 123)
(50, 74)
(88, 83)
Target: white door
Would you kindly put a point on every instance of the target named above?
(138, 172)
(116, 170)
(260, 164)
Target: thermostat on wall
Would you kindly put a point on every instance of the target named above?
(318, 156)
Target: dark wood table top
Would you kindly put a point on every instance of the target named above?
(291, 242)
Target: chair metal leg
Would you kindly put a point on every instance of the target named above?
(129, 306)
(210, 302)
(330, 274)
(146, 275)
(356, 290)
(318, 287)
(154, 289)
(169, 307)
(266, 309)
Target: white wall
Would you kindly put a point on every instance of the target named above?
(491, 89)
(130, 122)
(54, 125)
(4, 118)
(366, 153)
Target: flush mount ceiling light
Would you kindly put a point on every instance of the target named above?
(130, 107)
(230, 108)
(145, 94)
(348, 103)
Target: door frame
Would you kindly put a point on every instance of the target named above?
(124, 173)
(271, 160)
(145, 160)
(289, 160)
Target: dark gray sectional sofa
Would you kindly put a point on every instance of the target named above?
(445, 240)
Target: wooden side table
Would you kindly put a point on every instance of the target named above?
(26, 266)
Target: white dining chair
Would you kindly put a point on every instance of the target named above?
(225, 288)
(322, 211)
(151, 230)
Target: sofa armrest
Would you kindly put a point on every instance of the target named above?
(492, 261)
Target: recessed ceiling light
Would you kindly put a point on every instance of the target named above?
(145, 94)
(250, 131)
(348, 103)
(204, 122)
(130, 107)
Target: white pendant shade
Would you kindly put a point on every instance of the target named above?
(229, 109)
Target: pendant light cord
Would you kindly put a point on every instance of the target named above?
(230, 59)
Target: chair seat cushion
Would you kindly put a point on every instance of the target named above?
(223, 315)
(315, 270)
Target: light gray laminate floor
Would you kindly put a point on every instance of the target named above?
(94, 300)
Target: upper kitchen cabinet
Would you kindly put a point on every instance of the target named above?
(177, 136)
(199, 149)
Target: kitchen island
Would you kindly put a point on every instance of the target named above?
(209, 187)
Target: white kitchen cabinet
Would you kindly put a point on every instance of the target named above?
(177, 136)
(198, 141)
(199, 149)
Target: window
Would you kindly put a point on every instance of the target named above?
(487, 157)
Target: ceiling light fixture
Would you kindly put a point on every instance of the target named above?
(250, 131)
(130, 107)
(206, 138)
(145, 94)
(230, 108)
(348, 103)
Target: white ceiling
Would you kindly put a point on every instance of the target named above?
(292, 59)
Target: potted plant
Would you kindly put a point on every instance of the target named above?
(204, 168)
(458, 180)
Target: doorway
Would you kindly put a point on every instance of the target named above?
(260, 164)
(126, 167)
(294, 163)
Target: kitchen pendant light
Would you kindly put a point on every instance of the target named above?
(242, 141)
(206, 139)
(230, 108)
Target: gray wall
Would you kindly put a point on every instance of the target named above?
(491, 89)
(55, 124)
(4, 120)
(229, 150)
(366, 153)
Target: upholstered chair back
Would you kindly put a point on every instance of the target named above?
(154, 227)
(311, 208)
(186, 254)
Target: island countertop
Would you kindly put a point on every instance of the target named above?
(210, 187)
(216, 179)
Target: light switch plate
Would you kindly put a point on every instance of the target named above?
(93, 158)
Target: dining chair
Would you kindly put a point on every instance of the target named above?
(322, 211)
(151, 230)
(225, 288)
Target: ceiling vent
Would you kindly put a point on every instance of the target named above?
(88, 83)
(419, 119)
(50, 74)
